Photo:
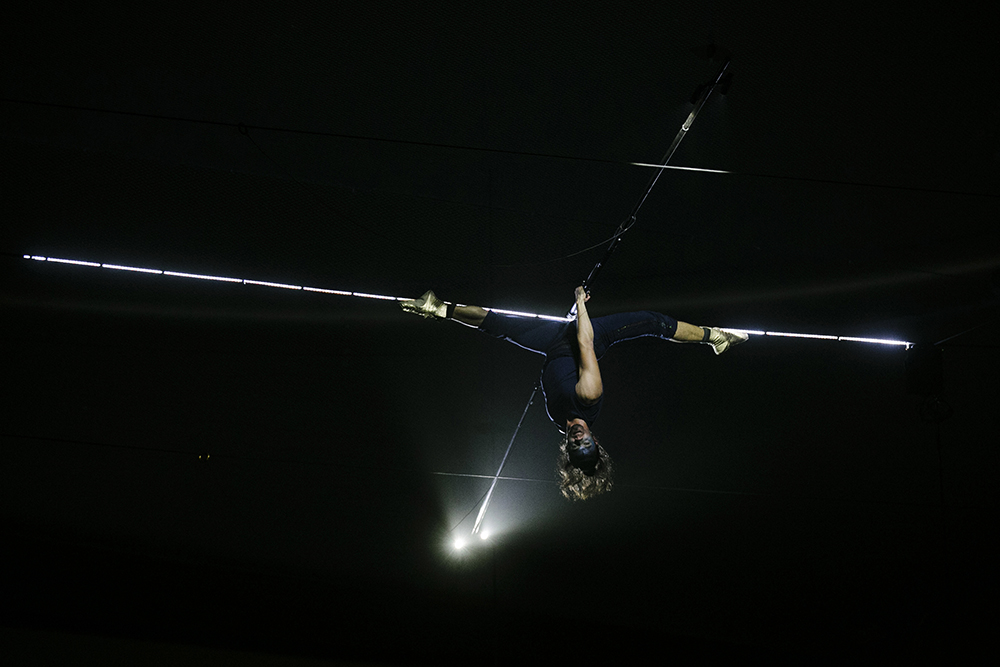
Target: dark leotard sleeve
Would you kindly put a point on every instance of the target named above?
(561, 402)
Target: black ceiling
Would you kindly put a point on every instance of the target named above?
(786, 493)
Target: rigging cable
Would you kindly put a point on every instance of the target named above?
(705, 91)
(483, 149)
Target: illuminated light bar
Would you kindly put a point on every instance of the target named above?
(383, 297)
(800, 335)
(516, 313)
(266, 284)
(69, 261)
(670, 166)
(328, 291)
(130, 268)
(880, 341)
(512, 312)
(846, 339)
(39, 258)
(201, 277)
(377, 296)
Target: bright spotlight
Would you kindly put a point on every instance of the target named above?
(459, 543)
(483, 535)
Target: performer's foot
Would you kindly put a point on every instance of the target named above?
(426, 306)
(721, 340)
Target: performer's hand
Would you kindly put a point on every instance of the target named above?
(581, 295)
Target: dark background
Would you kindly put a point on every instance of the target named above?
(210, 470)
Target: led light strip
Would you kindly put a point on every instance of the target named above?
(383, 297)
(261, 283)
(846, 339)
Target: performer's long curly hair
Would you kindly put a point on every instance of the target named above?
(574, 483)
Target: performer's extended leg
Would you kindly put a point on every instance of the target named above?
(429, 305)
(613, 329)
(689, 333)
(533, 334)
(530, 333)
(470, 315)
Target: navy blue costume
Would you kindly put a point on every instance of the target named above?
(557, 342)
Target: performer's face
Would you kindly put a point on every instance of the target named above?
(578, 435)
(581, 446)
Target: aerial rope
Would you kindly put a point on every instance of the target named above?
(700, 98)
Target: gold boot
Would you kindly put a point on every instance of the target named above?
(721, 340)
(427, 306)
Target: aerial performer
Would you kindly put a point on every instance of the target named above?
(571, 376)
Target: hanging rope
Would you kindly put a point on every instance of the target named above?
(702, 95)
(706, 91)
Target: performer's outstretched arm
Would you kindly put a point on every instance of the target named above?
(589, 387)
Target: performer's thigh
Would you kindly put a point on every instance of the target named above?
(530, 333)
(613, 329)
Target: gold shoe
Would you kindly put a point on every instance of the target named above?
(426, 306)
(721, 340)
